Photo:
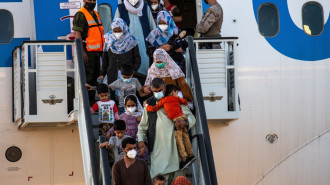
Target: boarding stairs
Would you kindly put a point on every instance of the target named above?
(49, 91)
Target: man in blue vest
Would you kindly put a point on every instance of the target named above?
(137, 15)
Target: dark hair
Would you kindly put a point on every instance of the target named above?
(170, 88)
(102, 88)
(132, 98)
(119, 125)
(159, 178)
(128, 140)
(157, 83)
(126, 70)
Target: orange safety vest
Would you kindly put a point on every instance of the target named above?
(95, 39)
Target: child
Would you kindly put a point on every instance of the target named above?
(132, 118)
(159, 180)
(126, 86)
(132, 115)
(114, 142)
(171, 104)
(107, 109)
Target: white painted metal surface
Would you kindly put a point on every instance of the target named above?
(17, 86)
(48, 73)
(278, 95)
(217, 70)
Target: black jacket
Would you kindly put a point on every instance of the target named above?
(152, 119)
(112, 62)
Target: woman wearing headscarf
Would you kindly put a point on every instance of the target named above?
(120, 48)
(166, 36)
(164, 67)
(137, 15)
(156, 7)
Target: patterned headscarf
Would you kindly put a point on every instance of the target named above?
(171, 69)
(181, 180)
(139, 108)
(125, 42)
(157, 37)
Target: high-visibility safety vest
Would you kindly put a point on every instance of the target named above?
(95, 39)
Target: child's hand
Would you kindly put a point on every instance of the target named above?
(139, 118)
(147, 90)
(90, 88)
(92, 111)
(144, 103)
(105, 144)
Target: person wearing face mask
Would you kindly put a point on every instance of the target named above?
(130, 170)
(137, 15)
(167, 37)
(87, 26)
(159, 130)
(126, 86)
(156, 7)
(164, 67)
(120, 48)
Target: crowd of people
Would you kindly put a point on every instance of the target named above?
(146, 123)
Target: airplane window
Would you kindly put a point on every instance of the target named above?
(105, 13)
(7, 27)
(268, 20)
(312, 18)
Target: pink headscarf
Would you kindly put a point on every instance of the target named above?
(171, 69)
(181, 180)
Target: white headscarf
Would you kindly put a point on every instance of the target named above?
(122, 45)
(134, 10)
(171, 69)
(139, 108)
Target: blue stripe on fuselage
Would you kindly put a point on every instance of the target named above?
(7, 49)
(10, 1)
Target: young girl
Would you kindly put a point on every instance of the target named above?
(132, 118)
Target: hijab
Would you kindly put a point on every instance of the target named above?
(157, 37)
(171, 69)
(139, 108)
(125, 42)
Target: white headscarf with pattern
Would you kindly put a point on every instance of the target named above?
(171, 69)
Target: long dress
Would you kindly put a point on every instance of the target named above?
(164, 157)
(136, 29)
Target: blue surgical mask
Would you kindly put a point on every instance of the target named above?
(127, 80)
(159, 95)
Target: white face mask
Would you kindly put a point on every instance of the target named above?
(163, 27)
(118, 35)
(131, 109)
(131, 154)
(133, 2)
(154, 6)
